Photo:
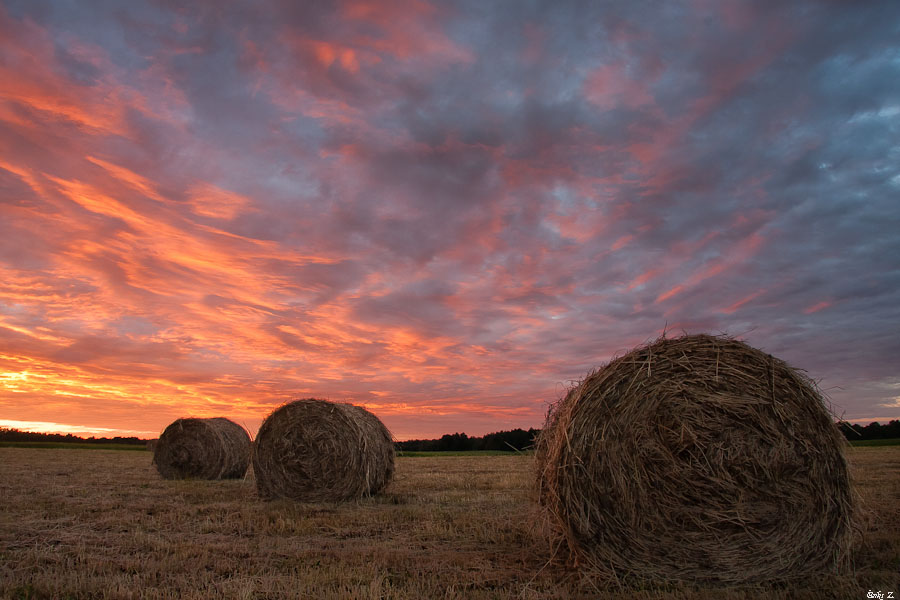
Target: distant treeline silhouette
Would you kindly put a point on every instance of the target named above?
(14, 435)
(512, 440)
(515, 439)
(519, 439)
(872, 431)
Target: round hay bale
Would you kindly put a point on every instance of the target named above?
(696, 459)
(314, 450)
(203, 449)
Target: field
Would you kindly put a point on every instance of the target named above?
(96, 524)
(73, 446)
(887, 442)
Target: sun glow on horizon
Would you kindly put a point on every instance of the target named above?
(78, 430)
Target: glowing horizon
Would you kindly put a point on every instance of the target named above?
(443, 214)
(82, 431)
(76, 430)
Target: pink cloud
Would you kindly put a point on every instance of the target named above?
(610, 85)
(736, 305)
(209, 200)
(816, 307)
(406, 29)
(737, 254)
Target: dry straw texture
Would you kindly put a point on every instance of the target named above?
(314, 450)
(203, 449)
(696, 459)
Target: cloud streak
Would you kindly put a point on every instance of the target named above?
(445, 212)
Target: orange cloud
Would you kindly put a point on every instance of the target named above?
(130, 178)
(212, 201)
(29, 82)
(327, 53)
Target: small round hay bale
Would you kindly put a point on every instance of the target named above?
(696, 459)
(214, 448)
(314, 451)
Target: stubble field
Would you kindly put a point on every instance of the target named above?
(102, 524)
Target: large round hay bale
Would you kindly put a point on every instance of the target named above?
(314, 450)
(696, 459)
(203, 449)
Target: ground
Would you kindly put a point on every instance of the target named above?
(78, 523)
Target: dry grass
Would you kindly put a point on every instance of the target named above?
(696, 458)
(317, 451)
(214, 448)
(102, 524)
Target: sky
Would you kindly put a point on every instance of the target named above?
(445, 212)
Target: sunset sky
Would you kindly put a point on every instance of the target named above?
(445, 212)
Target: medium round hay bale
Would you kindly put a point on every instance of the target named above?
(696, 459)
(203, 449)
(314, 451)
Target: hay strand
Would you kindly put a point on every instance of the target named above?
(314, 450)
(697, 458)
(214, 448)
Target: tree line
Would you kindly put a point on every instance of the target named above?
(512, 440)
(872, 431)
(520, 439)
(14, 435)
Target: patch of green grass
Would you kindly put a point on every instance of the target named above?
(75, 446)
(888, 442)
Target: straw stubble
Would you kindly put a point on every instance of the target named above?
(192, 448)
(313, 450)
(696, 458)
